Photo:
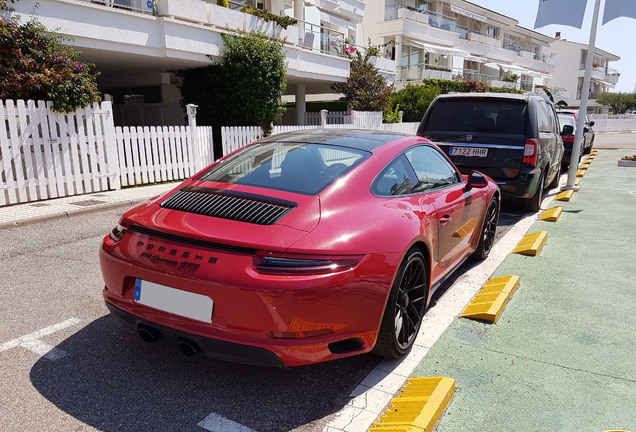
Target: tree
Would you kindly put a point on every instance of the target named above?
(620, 102)
(366, 89)
(244, 89)
(35, 64)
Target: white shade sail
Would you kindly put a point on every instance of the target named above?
(468, 13)
(437, 49)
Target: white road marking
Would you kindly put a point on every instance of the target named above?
(33, 343)
(216, 423)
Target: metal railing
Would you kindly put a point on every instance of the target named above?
(145, 6)
(593, 94)
(420, 71)
(602, 69)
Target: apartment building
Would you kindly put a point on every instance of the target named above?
(136, 43)
(569, 72)
(458, 40)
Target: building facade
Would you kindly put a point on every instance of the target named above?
(570, 70)
(458, 40)
(135, 44)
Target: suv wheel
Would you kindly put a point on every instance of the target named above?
(534, 204)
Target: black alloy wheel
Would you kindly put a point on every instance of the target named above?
(487, 239)
(405, 308)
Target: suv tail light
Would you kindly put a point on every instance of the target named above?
(530, 151)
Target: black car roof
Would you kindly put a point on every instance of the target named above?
(367, 140)
(487, 95)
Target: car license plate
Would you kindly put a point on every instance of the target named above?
(179, 302)
(469, 151)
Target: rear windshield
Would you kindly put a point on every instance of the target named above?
(565, 119)
(477, 115)
(295, 167)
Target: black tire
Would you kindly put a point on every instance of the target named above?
(405, 307)
(534, 204)
(588, 150)
(488, 230)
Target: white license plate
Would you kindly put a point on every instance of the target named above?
(469, 151)
(179, 302)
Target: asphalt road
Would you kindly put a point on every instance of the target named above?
(101, 376)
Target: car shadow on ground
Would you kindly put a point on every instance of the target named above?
(113, 381)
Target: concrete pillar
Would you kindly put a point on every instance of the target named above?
(301, 104)
(299, 9)
(323, 118)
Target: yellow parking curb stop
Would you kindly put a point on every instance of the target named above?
(418, 406)
(565, 196)
(492, 298)
(580, 173)
(577, 182)
(531, 244)
(552, 214)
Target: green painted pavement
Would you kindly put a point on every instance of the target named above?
(562, 357)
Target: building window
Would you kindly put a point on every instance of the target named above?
(423, 6)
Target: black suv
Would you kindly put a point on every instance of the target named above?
(513, 138)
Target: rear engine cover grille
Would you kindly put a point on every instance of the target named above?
(229, 205)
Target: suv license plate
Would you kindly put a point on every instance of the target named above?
(469, 151)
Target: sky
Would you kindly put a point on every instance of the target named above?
(615, 37)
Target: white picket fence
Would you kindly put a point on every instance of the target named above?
(45, 155)
(159, 154)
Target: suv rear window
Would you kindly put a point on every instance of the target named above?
(478, 115)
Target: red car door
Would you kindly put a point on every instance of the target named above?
(445, 189)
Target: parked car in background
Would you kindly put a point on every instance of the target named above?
(301, 248)
(568, 130)
(512, 138)
(588, 132)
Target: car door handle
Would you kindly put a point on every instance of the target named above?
(445, 219)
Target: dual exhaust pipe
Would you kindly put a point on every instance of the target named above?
(150, 335)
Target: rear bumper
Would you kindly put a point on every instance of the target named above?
(217, 349)
(522, 186)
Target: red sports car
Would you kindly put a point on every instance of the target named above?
(300, 248)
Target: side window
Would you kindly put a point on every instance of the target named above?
(396, 179)
(543, 117)
(431, 168)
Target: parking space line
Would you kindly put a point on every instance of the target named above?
(33, 343)
(216, 423)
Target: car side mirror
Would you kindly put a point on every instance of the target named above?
(591, 123)
(476, 180)
(568, 130)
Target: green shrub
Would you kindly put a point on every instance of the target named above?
(413, 100)
(243, 90)
(224, 3)
(35, 64)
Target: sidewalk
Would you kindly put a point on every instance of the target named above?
(23, 214)
(562, 356)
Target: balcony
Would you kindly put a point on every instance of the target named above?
(423, 71)
(143, 6)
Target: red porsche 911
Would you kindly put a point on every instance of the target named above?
(300, 248)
